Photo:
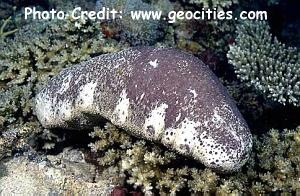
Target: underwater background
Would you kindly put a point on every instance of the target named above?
(257, 61)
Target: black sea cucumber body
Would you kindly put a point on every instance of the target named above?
(161, 95)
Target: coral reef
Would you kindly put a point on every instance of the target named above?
(273, 166)
(265, 63)
(136, 32)
(35, 160)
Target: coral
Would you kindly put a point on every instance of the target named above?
(136, 32)
(278, 155)
(273, 167)
(7, 9)
(207, 39)
(4, 33)
(219, 4)
(265, 63)
(15, 102)
(141, 161)
(48, 47)
(69, 5)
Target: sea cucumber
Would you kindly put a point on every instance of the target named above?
(159, 94)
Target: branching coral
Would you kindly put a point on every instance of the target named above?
(273, 167)
(278, 156)
(265, 63)
(143, 162)
(4, 33)
(42, 49)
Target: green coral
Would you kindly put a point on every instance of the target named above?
(266, 64)
(278, 155)
(272, 168)
(3, 32)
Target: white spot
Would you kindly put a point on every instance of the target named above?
(121, 110)
(193, 92)
(142, 96)
(153, 63)
(77, 25)
(52, 114)
(217, 118)
(86, 95)
(178, 117)
(156, 120)
(65, 84)
(78, 79)
(119, 62)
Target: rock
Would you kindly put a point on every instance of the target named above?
(162, 95)
(54, 175)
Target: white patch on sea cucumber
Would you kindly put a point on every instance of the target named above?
(193, 92)
(178, 117)
(142, 96)
(85, 98)
(44, 111)
(119, 62)
(216, 118)
(65, 84)
(219, 120)
(64, 111)
(153, 63)
(156, 120)
(78, 79)
(210, 155)
(183, 134)
(121, 111)
(51, 114)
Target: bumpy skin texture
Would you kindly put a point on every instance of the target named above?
(162, 95)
